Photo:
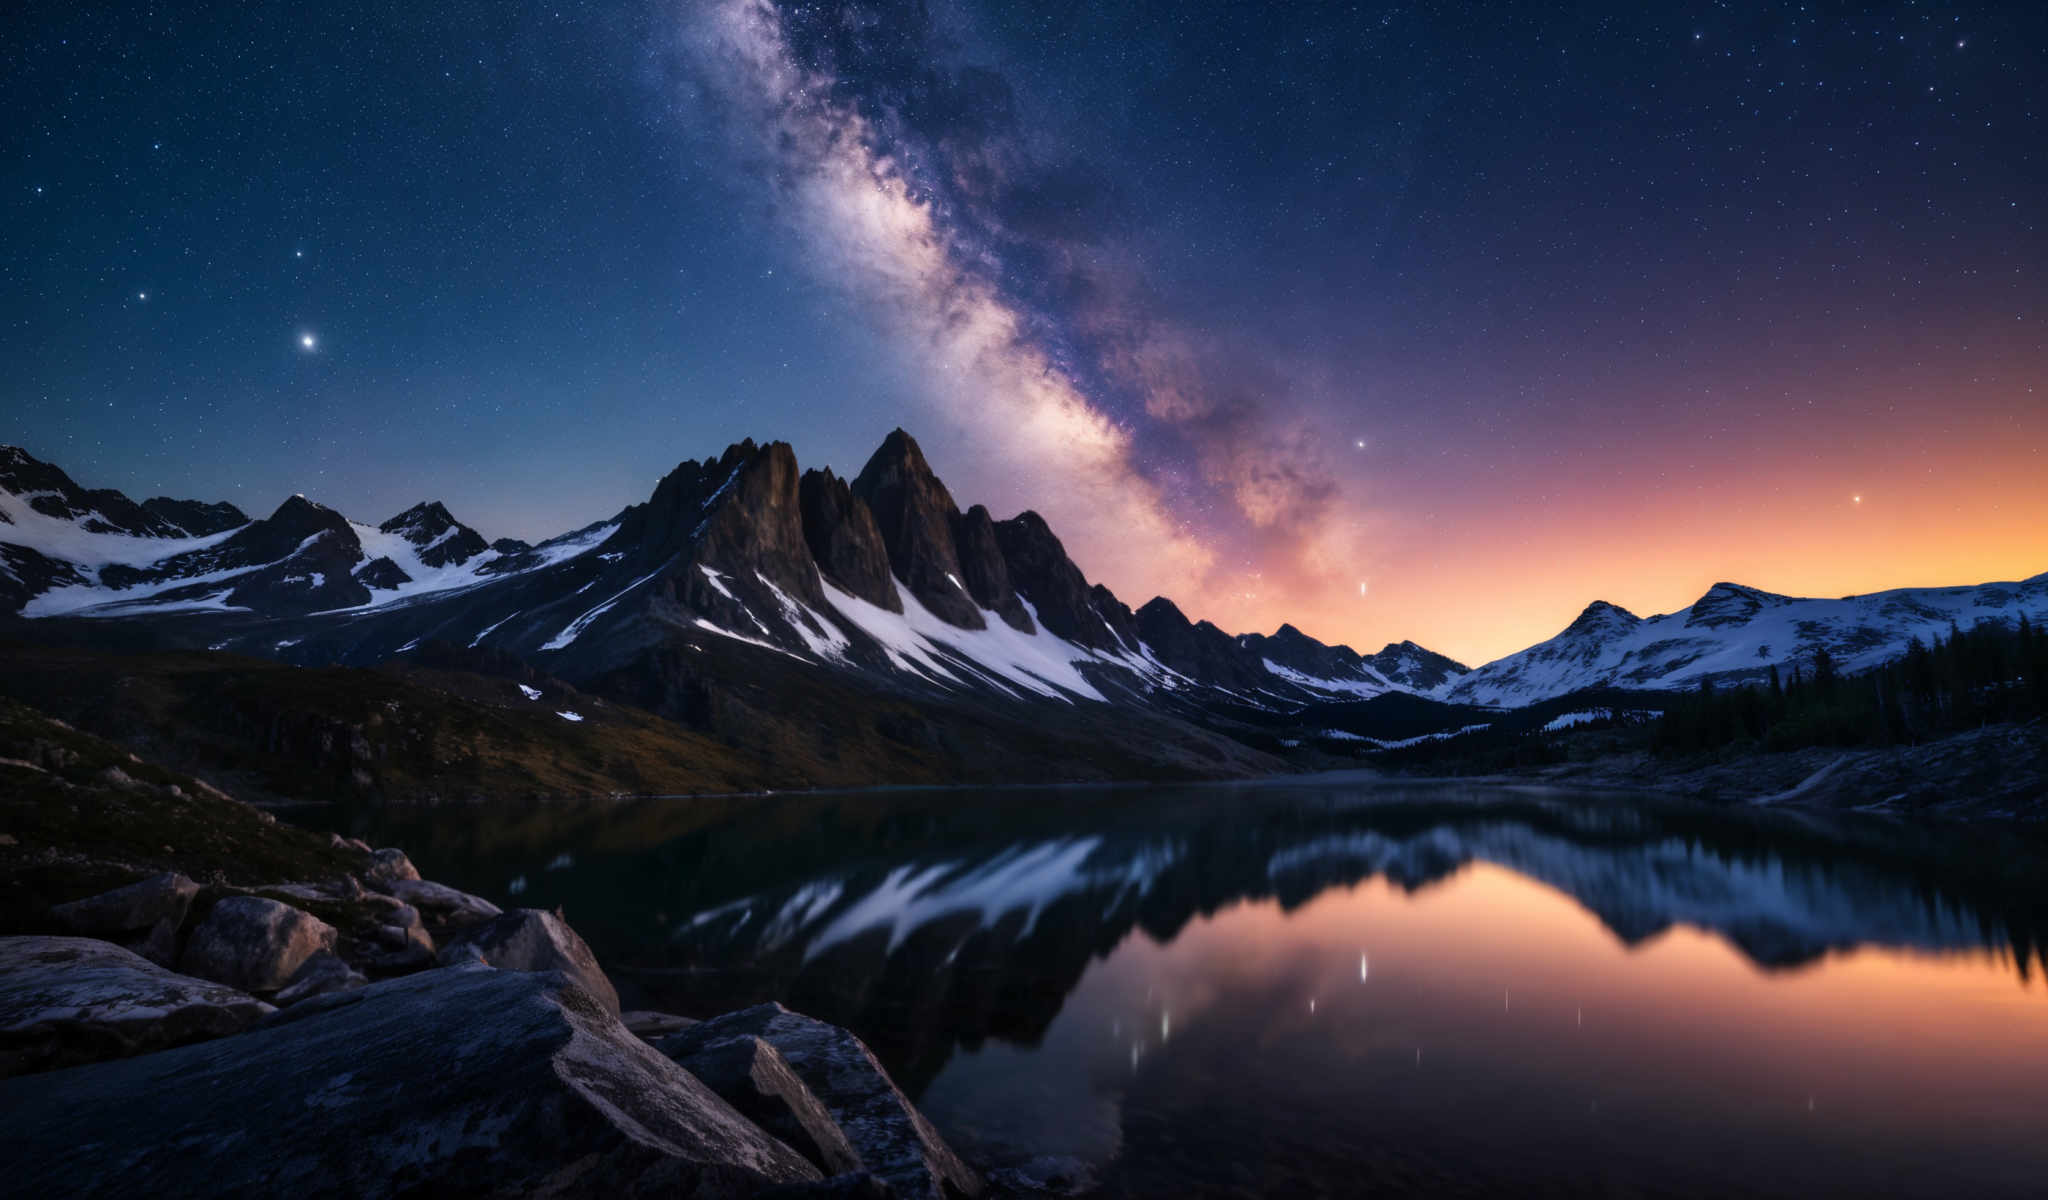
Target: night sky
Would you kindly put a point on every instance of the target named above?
(1397, 321)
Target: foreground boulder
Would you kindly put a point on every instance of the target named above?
(528, 939)
(893, 1139)
(318, 976)
(254, 943)
(753, 1077)
(389, 866)
(444, 908)
(143, 916)
(462, 1081)
(68, 1000)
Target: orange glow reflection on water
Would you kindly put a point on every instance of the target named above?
(1491, 958)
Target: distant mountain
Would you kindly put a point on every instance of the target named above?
(744, 590)
(882, 576)
(1736, 634)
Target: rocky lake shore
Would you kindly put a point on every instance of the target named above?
(199, 999)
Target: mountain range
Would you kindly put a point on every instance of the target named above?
(743, 581)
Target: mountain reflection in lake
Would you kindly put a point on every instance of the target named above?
(1327, 989)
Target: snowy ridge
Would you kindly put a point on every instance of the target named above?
(1734, 634)
(70, 541)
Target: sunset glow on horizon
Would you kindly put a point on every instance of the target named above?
(1406, 325)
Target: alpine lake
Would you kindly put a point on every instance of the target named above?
(1332, 987)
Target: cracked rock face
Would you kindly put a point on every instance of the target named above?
(528, 939)
(754, 1078)
(254, 943)
(71, 1000)
(462, 1081)
(893, 1139)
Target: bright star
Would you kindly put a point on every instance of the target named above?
(306, 341)
(1855, 499)
(142, 295)
(1361, 443)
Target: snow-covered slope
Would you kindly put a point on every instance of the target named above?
(66, 550)
(1735, 633)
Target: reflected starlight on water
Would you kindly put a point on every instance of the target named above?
(983, 943)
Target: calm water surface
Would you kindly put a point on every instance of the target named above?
(1332, 989)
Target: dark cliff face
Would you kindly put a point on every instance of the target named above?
(916, 516)
(983, 570)
(845, 540)
(754, 526)
(650, 534)
(196, 517)
(442, 540)
(1042, 573)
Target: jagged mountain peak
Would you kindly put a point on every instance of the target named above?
(1602, 615)
(440, 538)
(1730, 604)
(297, 509)
(918, 521)
(1157, 608)
(1416, 667)
(427, 514)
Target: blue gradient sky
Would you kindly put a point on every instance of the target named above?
(1618, 302)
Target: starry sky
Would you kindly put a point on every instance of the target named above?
(1392, 320)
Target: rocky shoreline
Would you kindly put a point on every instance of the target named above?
(196, 999)
(246, 1049)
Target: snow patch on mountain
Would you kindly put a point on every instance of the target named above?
(1038, 663)
(575, 628)
(1363, 688)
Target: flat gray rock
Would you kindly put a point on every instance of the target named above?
(69, 1000)
(892, 1138)
(752, 1076)
(463, 1081)
(530, 939)
(254, 943)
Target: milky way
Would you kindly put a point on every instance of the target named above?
(1395, 321)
